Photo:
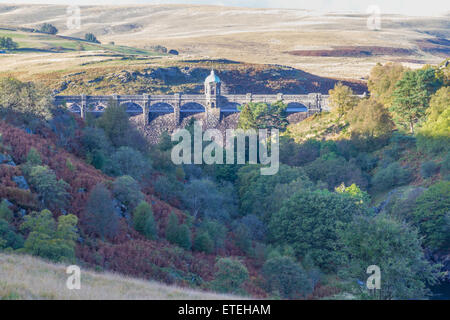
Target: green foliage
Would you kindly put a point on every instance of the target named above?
(48, 239)
(307, 221)
(100, 217)
(262, 115)
(144, 221)
(286, 278)
(8, 43)
(230, 275)
(115, 123)
(204, 199)
(355, 192)
(216, 231)
(52, 192)
(5, 212)
(127, 191)
(203, 243)
(428, 169)
(394, 247)
(128, 161)
(434, 136)
(382, 81)
(391, 176)
(91, 38)
(431, 216)
(48, 28)
(334, 170)
(8, 237)
(412, 96)
(256, 192)
(29, 100)
(342, 99)
(370, 120)
(178, 234)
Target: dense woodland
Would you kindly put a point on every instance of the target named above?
(367, 183)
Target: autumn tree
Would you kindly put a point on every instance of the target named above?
(342, 99)
(263, 116)
(382, 81)
(370, 120)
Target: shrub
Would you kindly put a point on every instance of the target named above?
(5, 212)
(48, 28)
(431, 216)
(307, 221)
(286, 277)
(48, 239)
(100, 216)
(91, 38)
(144, 221)
(230, 275)
(8, 237)
(394, 247)
(128, 161)
(127, 191)
(8, 43)
(428, 168)
(203, 243)
(391, 176)
(52, 192)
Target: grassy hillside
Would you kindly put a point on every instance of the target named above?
(33, 42)
(26, 277)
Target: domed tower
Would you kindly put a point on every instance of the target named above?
(212, 90)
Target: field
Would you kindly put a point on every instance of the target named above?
(247, 35)
(26, 277)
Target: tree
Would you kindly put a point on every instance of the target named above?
(392, 246)
(286, 277)
(434, 136)
(48, 28)
(382, 81)
(128, 161)
(5, 212)
(27, 99)
(48, 239)
(178, 234)
(8, 237)
(391, 176)
(370, 120)
(115, 123)
(100, 216)
(203, 243)
(52, 192)
(8, 43)
(144, 221)
(307, 221)
(127, 191)
(91, 38)
(412, 96)
(204, 199)
(342, 99)
(355, 192)
(230, 275)
(431, 216)
(263, 116)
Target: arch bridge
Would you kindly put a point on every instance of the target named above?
(177, 104)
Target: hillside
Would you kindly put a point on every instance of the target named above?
(27, 277)
(331, 45)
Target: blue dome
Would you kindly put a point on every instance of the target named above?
(212, 78)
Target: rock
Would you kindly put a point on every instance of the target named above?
(23, 212)
(81, 190)
(21, 182)
(8, 203)
(63, 212)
